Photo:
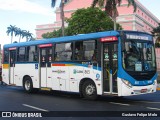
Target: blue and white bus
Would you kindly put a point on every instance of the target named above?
(120, 63)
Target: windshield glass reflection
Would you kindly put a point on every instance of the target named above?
(139, 56)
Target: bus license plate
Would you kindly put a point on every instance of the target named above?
(143, 90)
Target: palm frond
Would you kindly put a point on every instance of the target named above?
(53, 3)
(94, 3)
(133, 3)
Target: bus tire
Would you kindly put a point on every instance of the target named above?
(28, 85)
(89, 90)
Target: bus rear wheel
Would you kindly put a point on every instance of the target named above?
(28, 85)
(89, 90)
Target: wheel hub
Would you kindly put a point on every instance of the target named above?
(27, 85)
(90, 89)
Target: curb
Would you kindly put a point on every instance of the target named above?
(158, 88)
(158, 85)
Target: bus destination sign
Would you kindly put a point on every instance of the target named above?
(139, 36)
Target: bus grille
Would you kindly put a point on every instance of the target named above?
(140, 76)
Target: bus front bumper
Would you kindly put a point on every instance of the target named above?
(125, 90)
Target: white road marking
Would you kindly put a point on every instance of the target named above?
(35, 107)
(147, 102)
(119, 103)
(153, 108)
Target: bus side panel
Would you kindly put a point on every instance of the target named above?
(5, 73)
(76, 74)
(67, 77)
(60, 78)
(22, 70)
(95, 75)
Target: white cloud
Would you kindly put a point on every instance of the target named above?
(25, 6)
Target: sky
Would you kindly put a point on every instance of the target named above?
(26, 14)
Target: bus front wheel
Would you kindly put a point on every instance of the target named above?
(28, 85)
(89, 90)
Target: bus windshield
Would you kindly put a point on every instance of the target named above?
(138, 55)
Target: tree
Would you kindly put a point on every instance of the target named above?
(111, 7)
(11, 30)
(89, 20)
(156, 34)
(15, 42)
(20, 33)
(55, 33)
(28, 35)
(85, 21)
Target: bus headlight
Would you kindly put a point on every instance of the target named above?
(155, 82)
(126, 82)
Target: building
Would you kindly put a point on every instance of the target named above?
(141, 20)
(0, 57)
(158, 58)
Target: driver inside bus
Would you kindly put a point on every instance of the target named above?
(131, 58)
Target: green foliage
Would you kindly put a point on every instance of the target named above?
(89, 20)
(156, 30)
(157, 45)
(55, 33)
(85, 21)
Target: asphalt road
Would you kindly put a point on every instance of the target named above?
(15, 99)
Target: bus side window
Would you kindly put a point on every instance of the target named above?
(58, 50)
(63, 52)
(32, 53)
(78, 50)
(6, 56)
(21, 54)
(90, 50)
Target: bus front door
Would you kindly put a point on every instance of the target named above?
(12, 58)
(45, 67)
(110, 67)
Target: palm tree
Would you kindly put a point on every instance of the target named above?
(111, 7)
(28, 35)
(20, 33)
(62, 12)
(11, 30)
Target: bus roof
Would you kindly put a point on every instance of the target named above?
(71, 38)
(64, 39)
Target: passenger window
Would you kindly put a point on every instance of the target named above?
(63, 52)
(86, 50)
(79, 53)
(21, 54)
(32, 54)
(6, 56)
(89, 50)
